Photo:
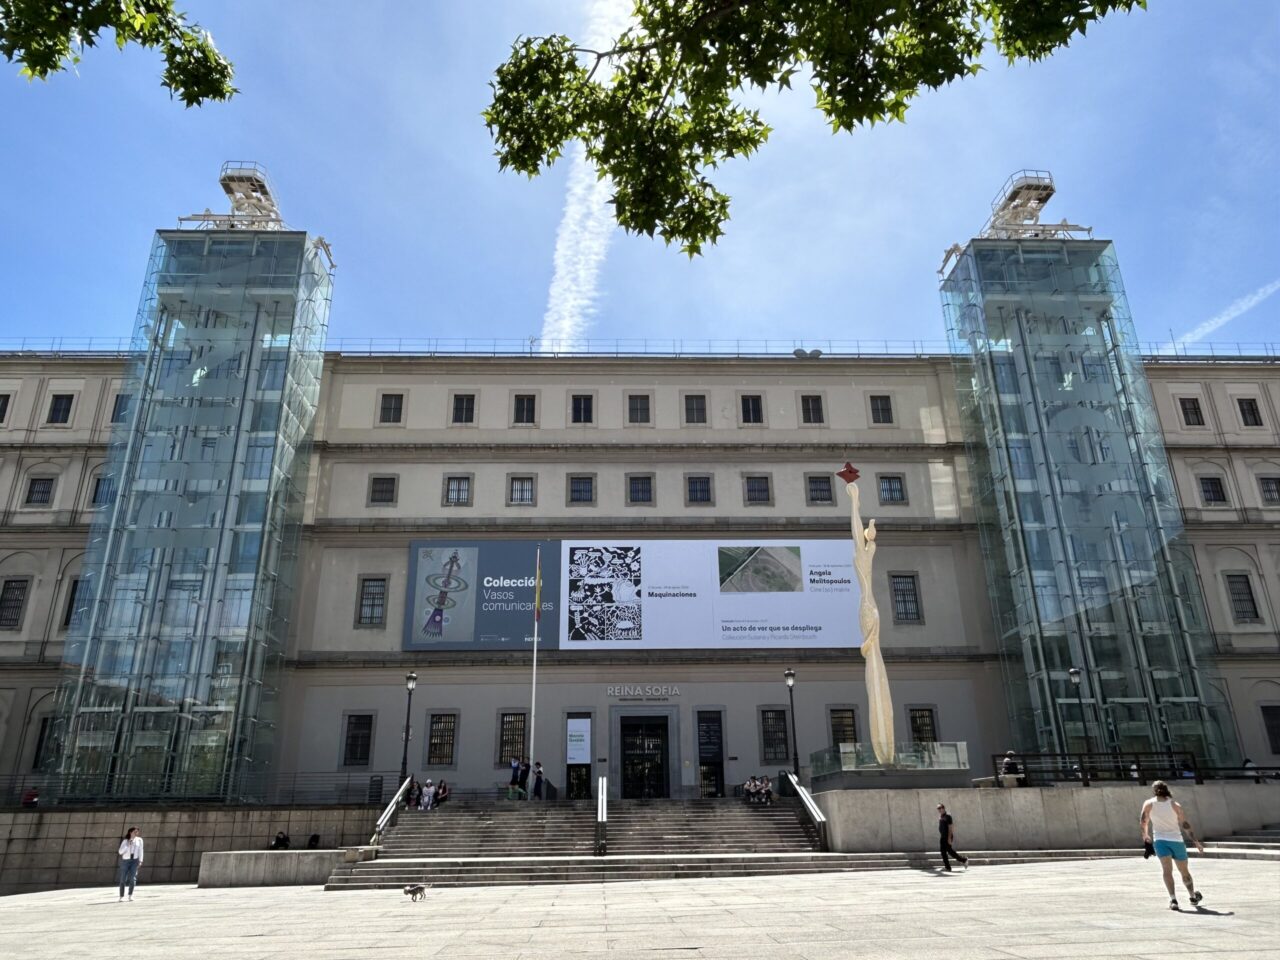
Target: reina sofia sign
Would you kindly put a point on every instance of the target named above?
(642, 690)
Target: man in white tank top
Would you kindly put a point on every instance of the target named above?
(1162, 824)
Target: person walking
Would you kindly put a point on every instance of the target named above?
(1162, 822)
(523, 778)
(130, 860)
(537, 781)
(947, 839)
(514, 785)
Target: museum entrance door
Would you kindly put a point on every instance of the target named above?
(644, 758)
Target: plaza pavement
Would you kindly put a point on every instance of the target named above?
(1048, 911)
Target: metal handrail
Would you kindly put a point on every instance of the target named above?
(389, 814)
(602, 816)
(812, 810)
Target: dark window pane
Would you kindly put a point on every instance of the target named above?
(71, 615)
(104, 490)
(1250, 415)
(525, 409)
(640, 489)
(120, 407)
(844, 727)
(382, 490)
(695, 408)
(440, 739)
(13, 596)
(373, 602)
(359, 740)
(699, 489)
(1271, 720)
(820, 490)
(923, 729)
(1270, 487)
(1191, 414)
(511, 737)
(758, 490)
(60, 408)
(582, 408)
(582, 489)
(881, 409)
(392, 408)
(773, 729)
(892, 490)
(1213, 490)
(638, 408)
(522, 489)
(271, 372)
(752, 408)
(906, 597)
(1244, 607)
(464, 408)
(4, 407)
(40, 491)
(811, 409)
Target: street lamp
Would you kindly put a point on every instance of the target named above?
(1076, 676)
(790, 676)
(410, 681)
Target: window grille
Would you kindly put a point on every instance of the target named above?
(773, 733)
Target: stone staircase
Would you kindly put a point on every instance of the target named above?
(1260, 844)
(495, 843)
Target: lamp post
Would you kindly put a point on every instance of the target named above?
(1076, 676)
(410, 681)
(790, 676)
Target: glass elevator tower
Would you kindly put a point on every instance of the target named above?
(1081, 529)
(171, 667)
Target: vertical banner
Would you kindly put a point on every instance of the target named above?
(577, 740)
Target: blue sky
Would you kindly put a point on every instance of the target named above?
(1160, 129)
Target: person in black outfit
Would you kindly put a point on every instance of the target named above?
(281, 842)
(524, 777)
(946, 837)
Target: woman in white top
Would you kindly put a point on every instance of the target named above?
(130, 860)
(1162, 824)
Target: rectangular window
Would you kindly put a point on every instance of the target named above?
(457, 491)
(1020, 461)
(104, 490)
(1213, 490)
(698, 489)
(70, 614)
(881, 408)
(391, 409)
(752, 408)
(695, 408)
(510, 737)
(441, 733)
(893, 488)
(521, 490)
(923, 727)
(581, 408)
(638, 408)
(464, 408)
(773, 736)
(257, 461)
(582, 489)
(120, 408)
(640, 489)
(1270, 487)
(758, 491)
(4, 407)
(382, 489)
(42, 743)
(13, 597)
(844, 726)
(40, 491)
(1250, 414)
(818, 489)
(372, 608)
(1192, 415)
(1271, 720)
(526, 408)
(905, 589)
(271, 372)
(1244, 608)
(358, 742)
(60, 408)
(811, 409)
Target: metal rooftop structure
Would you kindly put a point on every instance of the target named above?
(253, 200)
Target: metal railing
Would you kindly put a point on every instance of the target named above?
(44, 790)
(1039, 769)
(811, 809)
(805, 349)
(602, 816)
(388, 818)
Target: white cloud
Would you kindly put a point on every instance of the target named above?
(1238, 307)
(587, 222)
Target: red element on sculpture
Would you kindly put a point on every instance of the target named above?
(849, 474)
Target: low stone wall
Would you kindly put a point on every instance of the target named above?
(45, 850)
(1033, 818)
(268, 868)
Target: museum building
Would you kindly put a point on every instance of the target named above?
(223, 549)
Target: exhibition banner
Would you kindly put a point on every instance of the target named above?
(634, 594)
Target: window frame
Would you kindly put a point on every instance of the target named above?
(6, 404)
(766, 759)
(361, 579)
(102, 479)
(711, 489)
(1222, 486)
(395, 499)
(743, 397)
(428, 722)
(27, 582)
(1182, 402)
(470, 478)
(67, 621)
(819, 396)
(1272, 737)
(343, 741)
(746, 486)
(685, 396)
(568, 489)
(932, 709)
(919, 596)
(902, 478)
(1257, 413)
(73, 395)
(648, 397)
(499, 762)
(871, 410)
(832, 710)
(1262, 489)
(34, 478)
(590, 398)
(118, 415)
(1227, 576)
(454, 397)
(516, 395)
(521, 475)
(653, 489)
(379, 408)
(808, 491)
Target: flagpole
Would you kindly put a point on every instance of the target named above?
(537, 616)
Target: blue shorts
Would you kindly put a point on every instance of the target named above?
(1171, 848)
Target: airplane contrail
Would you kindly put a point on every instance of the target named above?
(1237, 307)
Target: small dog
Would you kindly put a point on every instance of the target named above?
(416, 891)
